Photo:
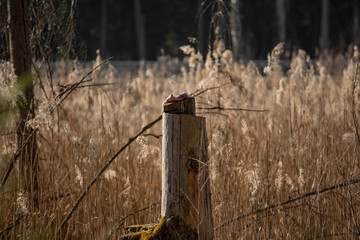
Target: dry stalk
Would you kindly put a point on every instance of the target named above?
(102, 170)
(201, 91)
(61, 97)
(121, 221)
(279, 204)
(15, 157)
(356, 140)
(353, 112)
(353, 212)
(10, 226)
(232, 109)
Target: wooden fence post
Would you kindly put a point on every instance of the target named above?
(185, 172)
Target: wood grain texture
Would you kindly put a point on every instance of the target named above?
(185, 174)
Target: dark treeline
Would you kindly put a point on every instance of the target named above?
(129, 30)
(166, 25)
(140, 29)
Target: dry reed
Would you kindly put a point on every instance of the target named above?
(304, 142)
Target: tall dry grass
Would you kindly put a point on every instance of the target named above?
(304, 142)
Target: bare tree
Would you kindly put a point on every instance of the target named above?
(103, 37)
(21, 60)
(235, 28)
(25, 43)
(281, 20)
(140, 30)
(356, 37)
(200, 29)
(324, 30)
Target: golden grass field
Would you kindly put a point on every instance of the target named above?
(305, 141)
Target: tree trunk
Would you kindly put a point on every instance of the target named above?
(324, 31)
(140, 30)
(235, 29)
(200, 28)
(103, 37)
(356, 18)
(281, 20)
(221, 22)
(21, 60)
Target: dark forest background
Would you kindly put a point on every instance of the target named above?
(133, 29)
(139, 29)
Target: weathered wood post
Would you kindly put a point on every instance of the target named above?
(185, 172)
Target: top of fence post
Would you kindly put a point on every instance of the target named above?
(186, 106)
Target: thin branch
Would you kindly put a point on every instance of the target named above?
(15, 157)
(121, 221)
(356, 140)
(201, 91)
(215, 113)
(53, 150)
(7, 133)
(38, 76)
(61, 195)
(332, 235)
(60, 98)
(354, 218)
(61, 31)
(353, 112)
(65, 87)
(322, 215)
(187, 197)
(152, 135)
(97, 85)
(87, 188)
(203, 104)
(69, 90)
(275, 205)
(232, 109)
(10, 226)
